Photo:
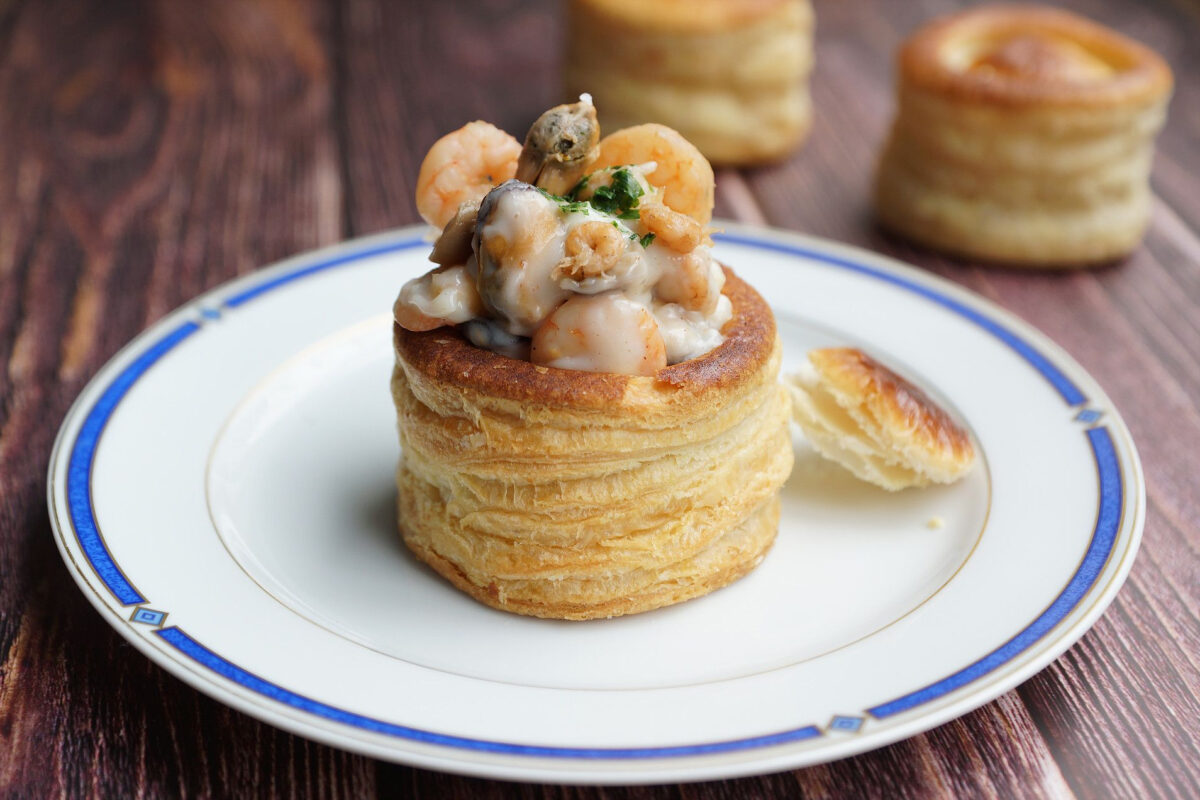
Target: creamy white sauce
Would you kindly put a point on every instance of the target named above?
(690, 334)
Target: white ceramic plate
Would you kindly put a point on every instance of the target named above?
(222, 493)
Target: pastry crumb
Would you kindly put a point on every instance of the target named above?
(935, 523)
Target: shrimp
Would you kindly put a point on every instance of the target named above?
(678, 232)
(600, 333)
(411, 318)
(693, 280)
(593, 249)
(682, 174)
(437, 298)
(462, 167)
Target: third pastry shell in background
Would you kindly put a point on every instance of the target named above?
(1023, 135)
(730, 75)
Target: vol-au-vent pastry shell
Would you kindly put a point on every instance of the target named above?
(576, 495)
(1023, 135)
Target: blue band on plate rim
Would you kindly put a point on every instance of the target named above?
(1104, 536)
(83, 454)
(91, 542)
(202, 655)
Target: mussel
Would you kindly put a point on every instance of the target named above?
(560, 146)
(517, 243)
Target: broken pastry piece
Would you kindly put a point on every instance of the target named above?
(857, 412)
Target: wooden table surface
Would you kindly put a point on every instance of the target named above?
(152, 149)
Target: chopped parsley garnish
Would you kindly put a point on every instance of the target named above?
(646, 240)
(566, 205)
(579, 187)
(620, 197)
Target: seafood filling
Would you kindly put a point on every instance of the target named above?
(579, 261)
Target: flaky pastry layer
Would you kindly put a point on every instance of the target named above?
(876, 423)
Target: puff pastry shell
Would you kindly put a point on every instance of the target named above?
(577, 495)
(1023, 135)
(730, 75)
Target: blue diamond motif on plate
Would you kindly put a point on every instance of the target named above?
(846, 724)
(1088, 415)
(148, 616)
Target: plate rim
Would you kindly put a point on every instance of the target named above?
(634, 765)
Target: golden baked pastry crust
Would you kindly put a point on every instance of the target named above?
(1028, 55)
(877, 424)
(1023, 135)
(576, 495)
(730, 75)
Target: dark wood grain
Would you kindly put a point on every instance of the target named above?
(150, 150)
